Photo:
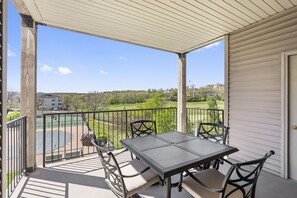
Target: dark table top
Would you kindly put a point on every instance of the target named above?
(173, 152)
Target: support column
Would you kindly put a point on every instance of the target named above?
(181, 94)
(28, 84)
(226, 81)
(3, 95)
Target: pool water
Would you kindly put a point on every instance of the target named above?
(51, 138)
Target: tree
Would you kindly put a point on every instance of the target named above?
(156, 101)
(193, 90)
(212, 102)
(12, 100)
(213, 114)
(173, 95)
(39, 103)
(94, 100)
(66, 101)
(164, 119)
(76, 103)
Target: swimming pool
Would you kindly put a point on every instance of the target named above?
(63, 137)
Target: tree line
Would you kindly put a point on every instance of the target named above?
(94, 101)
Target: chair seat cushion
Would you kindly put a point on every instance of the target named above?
(140, 182)
(211, 178)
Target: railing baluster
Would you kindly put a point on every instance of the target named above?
(65, 147)
(71, 135)
(58, 135)
(77, 134)
(16, 152)
(115, 125)
(126, 123)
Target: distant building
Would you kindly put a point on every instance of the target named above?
(47, 101)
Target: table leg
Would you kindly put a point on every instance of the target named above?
(168, 184)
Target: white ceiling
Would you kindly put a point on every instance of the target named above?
(171, 25)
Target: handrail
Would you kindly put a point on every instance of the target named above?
(17, 119)
(107, 111)
(62, 131)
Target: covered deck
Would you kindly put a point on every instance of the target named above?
(84, 176)
(255, 33)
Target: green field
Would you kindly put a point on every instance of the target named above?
(168, 104)
(12, 115)
(10, 177)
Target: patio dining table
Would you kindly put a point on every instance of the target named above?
(173, 152)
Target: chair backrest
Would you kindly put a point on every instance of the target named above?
(243, 177)
(213, 131)
(112, 171)
(143, 128)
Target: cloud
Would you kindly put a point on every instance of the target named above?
(64, 70)
(45, 68)
(10, 53)
(103, 72)
(122, 58)
(208, 46)
(213, 44)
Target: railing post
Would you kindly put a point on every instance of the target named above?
(126, 114)
(223, 117)
(44, 140)
(25, 144)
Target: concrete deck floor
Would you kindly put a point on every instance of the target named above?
(84, 177)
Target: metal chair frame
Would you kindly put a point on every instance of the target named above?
(240, 177)
(143, 127)
(213, 131)
(113, 175)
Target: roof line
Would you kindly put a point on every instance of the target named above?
(205, 44)
(90, 34)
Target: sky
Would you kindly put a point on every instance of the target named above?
(73, 62)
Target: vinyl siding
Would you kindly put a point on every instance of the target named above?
(255, 86)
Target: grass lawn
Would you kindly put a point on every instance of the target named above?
(121, 107)
(10, 177)
(12, 115)
(202, 104)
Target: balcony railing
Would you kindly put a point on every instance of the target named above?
(16, 153)
(61, 133)
(197, 115)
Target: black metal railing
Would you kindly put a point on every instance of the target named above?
(16, 153)
(197, 115)
(59, 134)
(62, 132)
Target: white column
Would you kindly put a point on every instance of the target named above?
(181, 93)
(28, 84)
(226, 81)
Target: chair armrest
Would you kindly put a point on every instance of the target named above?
(204, 185)
(134, 175)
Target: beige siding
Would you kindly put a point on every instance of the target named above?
(255, 86)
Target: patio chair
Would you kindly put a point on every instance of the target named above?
(239, 182)
(143, 127)
(214, 132)
(125, 179)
